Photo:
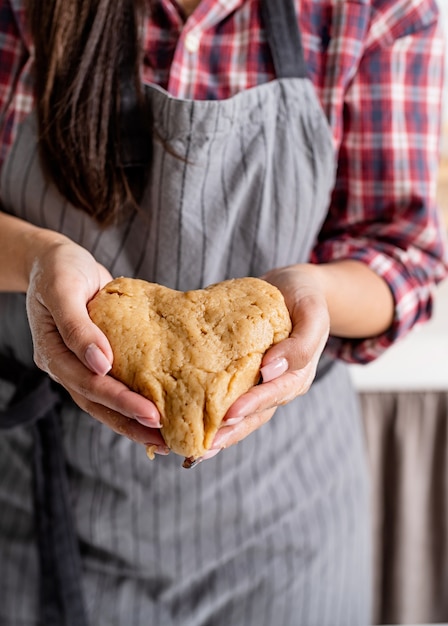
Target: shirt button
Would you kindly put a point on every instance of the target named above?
(192, 42)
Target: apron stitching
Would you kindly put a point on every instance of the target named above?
(42, 202)
(203, 207)
(126, 233)
(244, 170)
(259, 204)
(63, 211)
(159, 216)
(182, 196)
(25, 180)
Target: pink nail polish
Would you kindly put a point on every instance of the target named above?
(234, 420)
(210, 454)
(150, 422)
(274, 369)
(97, 360)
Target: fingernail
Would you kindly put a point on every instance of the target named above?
(274, 369)
(97, 360)
(210, 454)
(150, 422)
(234, 420)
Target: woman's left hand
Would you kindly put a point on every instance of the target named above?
(289, 367)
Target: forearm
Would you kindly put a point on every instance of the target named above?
(360, 303)
(20, 242)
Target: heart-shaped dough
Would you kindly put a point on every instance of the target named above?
(192, 353)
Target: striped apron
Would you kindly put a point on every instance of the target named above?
(273, 531)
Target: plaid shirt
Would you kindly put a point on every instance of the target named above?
(377, 67)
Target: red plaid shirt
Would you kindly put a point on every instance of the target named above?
(377, 67)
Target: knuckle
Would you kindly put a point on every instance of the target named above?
(39, 361)
(56, 379)
(82, 402)
(88, 393)
(85, 387)
(121, 425)
(73, 334)
(305, 354)
(43, 362)
(304, 379)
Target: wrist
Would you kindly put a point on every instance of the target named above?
(359, 301)
(302, 285)
(39, 243)
(21, 244)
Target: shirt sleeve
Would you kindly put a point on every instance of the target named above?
(16, 99)
(383, 210)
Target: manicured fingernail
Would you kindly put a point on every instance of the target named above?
(210, 454)
(150, 422)
(234, 420)
(274, 369)
(97, 360)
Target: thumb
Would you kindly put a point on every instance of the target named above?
(83, 337)
(63, 278)
(304, 345)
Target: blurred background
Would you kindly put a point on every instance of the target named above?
(404, 401)
(443, 177)
(421, 360)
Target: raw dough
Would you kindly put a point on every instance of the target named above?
(192, 353)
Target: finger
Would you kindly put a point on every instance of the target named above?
(271, 394)
(307, 339)
(75, 327)
(49, 345)
(256, 407)
(230, 435)
(67, 370)
(120, 424)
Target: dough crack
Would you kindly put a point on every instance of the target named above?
(192, 353)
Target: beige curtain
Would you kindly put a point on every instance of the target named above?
(407, 444)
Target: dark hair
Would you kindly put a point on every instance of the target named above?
(87, 83)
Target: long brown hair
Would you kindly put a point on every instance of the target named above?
(87, 86)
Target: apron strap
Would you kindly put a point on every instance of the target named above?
(284, 38)
(285, 43)
(34, 403)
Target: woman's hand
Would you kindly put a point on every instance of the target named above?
(289, 367)
(344, 296)
(73, 350)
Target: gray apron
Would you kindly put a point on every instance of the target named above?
(272, 531)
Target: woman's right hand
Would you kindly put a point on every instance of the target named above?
(63, 277)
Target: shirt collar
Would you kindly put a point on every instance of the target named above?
(208, 12)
